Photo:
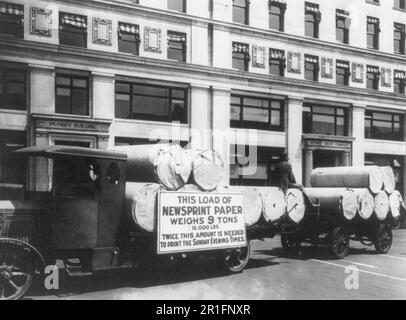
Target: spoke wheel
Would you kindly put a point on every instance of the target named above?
(339, 243)
(16, 272)
(236, 260)
(290, 244)
(383, 239)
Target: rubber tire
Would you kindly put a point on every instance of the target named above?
(227, 260)
(290, 244)
(380, 247)
(339, 243)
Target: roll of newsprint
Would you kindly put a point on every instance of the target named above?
(296, 205)
(252, 202)
(348, 177)
(366, 203)
(166, 164)
(141, 204)
(395, 203)
(389, 182)
(334, 201)
(381, 207)
(273, 203)
(207, 169)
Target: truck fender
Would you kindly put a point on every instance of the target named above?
(39, 258)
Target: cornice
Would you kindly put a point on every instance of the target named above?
(24, 49)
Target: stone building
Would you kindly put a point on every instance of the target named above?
(322, 79)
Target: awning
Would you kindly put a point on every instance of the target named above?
(11, 9)
(281, 3)
(277, 54)
(399, 26)
(310, 8)
(343, 64)
(373, 69)
(311, 59)
(400, 74)
(177, 37)
(128, 28)
(342, 14)
(373, 20)
(68, 152)
(241, 48)
(74, 21)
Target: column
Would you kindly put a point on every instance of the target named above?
(40, 173)
(221, 127)
(346, 159)
(308, 167)
(358, 132)
(200, 117)
(42, 89)
(404, 159)
(294, 135)
(103, 95)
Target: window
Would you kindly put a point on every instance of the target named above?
(277, 10)
(399, 38)
(12, 19)
(241, 11)
(241, 56)
(177, 5)
(342, 72)
(400, 4)
(311, 68)
(12, 168)
(177, 46)
(256, 113)
(129, 38)
(151, 102)
(13, 88)
(383, 126)
(343, 22)
(312, 20)
(326, 120)
(277, 62)
(244, 173)
(373, 30)
(72, 30)
(400, 77)
(72, 94)
(373, 76)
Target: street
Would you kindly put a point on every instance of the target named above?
(271, 274)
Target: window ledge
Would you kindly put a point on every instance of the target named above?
(399, 9)
(374, 3)
(5, 110)
(401, 143)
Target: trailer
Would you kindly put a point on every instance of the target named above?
(81, 222)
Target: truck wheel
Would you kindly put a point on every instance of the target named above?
(383, 239)
(236, 260)
(16, 271)
(339, 243)
(290, 244)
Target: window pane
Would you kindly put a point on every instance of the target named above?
(239, 15)
(323, 124)
(62, 104)
(176, 5)
(256, 115)
(150, 90)
(255, 102)
(274, 21)
(235, 113)
(80, 83)
(239, 63)
(79, 102)
(151, 108)
(122, 106)
(275, 67)
(179, 94)
(15, 88)
(176, 54)
(122, 88)
(382, 116)
(179, 111)
(324, 110)
(340, 35)
(128, 46)
(71, 36)
(63, 81)
(275, 118)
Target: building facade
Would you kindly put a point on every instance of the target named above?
(324, 80)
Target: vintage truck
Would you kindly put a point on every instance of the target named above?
(81, 222)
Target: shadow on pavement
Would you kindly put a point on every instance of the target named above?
(153, 275)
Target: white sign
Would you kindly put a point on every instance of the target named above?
(200, 221)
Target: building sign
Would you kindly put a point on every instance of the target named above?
(200, 221)
(70, 125)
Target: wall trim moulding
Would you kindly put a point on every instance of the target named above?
(153, 40)
(102, 31)
(41, 21)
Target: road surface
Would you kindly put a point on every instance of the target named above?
(271, 274)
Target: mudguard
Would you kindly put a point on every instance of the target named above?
(39, 258)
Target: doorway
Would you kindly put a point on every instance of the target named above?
(327, 158)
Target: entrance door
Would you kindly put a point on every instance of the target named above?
(327, 158)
